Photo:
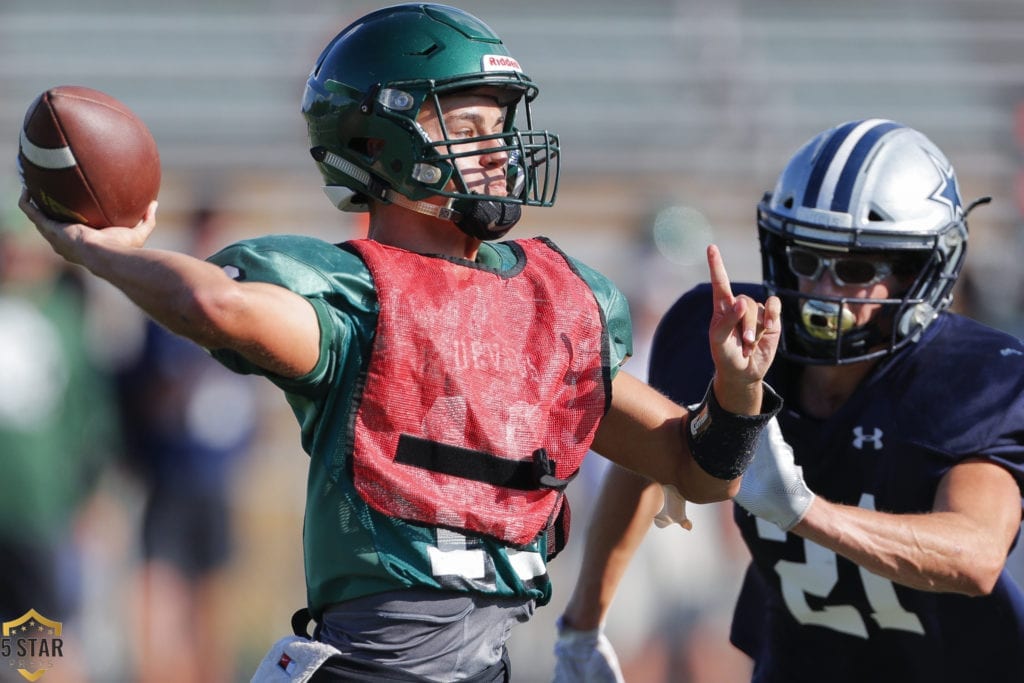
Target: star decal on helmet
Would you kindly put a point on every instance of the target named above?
(947, 192)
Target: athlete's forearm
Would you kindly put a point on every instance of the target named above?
(163, 284)
(644, 432)
(270, 326)
(622, 516)
(177, 290)
(938, 551)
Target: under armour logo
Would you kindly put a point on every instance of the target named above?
(860, 438)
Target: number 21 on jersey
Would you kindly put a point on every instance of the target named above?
(819, 574)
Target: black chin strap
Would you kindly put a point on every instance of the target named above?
(486, 219)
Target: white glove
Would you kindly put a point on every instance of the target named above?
(673, 510)
(773, 486)
(292, 660)
(585, 657)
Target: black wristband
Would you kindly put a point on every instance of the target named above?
(723, 443)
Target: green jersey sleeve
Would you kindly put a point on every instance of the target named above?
(338, 286)
(616, 311)
(334, 281)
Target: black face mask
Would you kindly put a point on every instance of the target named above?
(486, 219)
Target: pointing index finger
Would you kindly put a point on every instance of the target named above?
(721, 289)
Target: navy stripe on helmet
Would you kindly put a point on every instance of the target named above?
(824, 161)
(844, 187)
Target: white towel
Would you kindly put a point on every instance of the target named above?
(293, 659)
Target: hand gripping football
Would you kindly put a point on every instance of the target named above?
(86, 158)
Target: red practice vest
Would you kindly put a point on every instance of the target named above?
(483, 390)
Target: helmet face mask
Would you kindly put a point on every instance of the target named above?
(872, 188)
(371, 83)
(445, 152)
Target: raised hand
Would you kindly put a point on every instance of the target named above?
(744, 334)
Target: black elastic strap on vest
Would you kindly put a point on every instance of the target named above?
(721, 442)
(558, 530)
(300, 623)
(544, 471)
(467, 463)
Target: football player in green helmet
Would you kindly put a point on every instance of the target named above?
(368, 91)
(447, 386)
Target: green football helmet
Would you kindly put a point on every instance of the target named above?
(371, 82)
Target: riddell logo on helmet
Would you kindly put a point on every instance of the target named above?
(500, 63)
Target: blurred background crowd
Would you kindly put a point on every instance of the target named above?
(152, 502)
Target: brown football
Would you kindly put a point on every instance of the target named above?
(85, 157)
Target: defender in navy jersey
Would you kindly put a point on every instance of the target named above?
(446, 386)
(881, 507)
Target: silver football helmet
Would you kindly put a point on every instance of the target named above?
(874, 189)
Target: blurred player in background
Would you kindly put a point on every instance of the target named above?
(188, 422)
(447, 386)
(883, 502)
(58, 430)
